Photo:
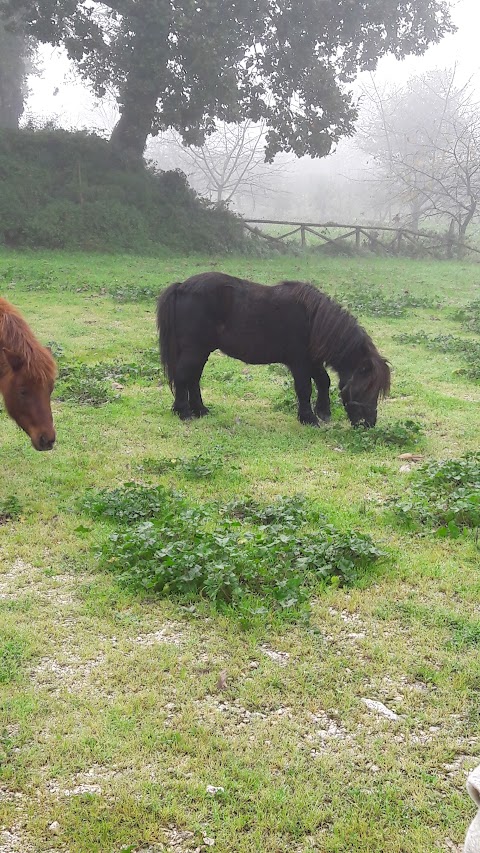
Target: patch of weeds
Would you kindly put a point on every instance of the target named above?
(286, 400)
(127, 504)
(444, 495)
(56, 349)
(84, 391)
(467, 349)
(403, 434)
(469, 316)
(278, 369)
(271, 556)
(10, 509)
(374, 303)
(96, 384)
(286, 511)
(132, 293)
(199, 467)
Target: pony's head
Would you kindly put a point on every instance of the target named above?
(361, 387)
(26, 388)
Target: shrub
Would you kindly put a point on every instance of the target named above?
(230, 554)
(71, 190)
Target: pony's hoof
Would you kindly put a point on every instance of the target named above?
(324, 416)
(201, 413)
(309, 422)
(183, 415)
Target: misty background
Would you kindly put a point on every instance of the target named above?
(383, 174)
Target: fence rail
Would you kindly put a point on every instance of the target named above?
(398, 237)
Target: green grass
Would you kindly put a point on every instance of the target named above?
(113, 716)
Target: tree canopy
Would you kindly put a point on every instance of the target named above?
(184, 64)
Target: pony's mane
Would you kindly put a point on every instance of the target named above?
(16, 335)
(337, 339)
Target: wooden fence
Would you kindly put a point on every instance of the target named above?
(396, 240)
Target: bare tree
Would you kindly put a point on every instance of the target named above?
(229, 168)
(424, 141)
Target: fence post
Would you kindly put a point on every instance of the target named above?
(357, 238)
(302, 235)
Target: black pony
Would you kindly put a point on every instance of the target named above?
(292, 323)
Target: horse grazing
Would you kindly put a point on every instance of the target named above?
(292, 323)
(27, 374)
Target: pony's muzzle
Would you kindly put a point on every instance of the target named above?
(44, 442)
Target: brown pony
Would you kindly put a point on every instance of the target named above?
(27, 374)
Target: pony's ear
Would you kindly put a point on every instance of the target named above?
(15, 361)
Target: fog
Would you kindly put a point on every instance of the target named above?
(341, 187)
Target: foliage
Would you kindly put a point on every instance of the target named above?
(404, 434)
(469, 349)
(229, 554)
(70, 190)
(10, 509)
(445, 495)
(184, 65)
(201, 466)
(128, 504)
(374, 303)
(469, 316)
(84, 390)
(96, 384)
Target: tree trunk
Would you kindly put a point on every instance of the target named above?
(463, 225)
(129, 136)
(12, 77)
(144, 77)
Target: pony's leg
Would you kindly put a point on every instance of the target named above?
(181, 406)
(322, 381)
(199, 409)
(188, 401)
(303, 390)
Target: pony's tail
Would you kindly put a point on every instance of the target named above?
(166, 322)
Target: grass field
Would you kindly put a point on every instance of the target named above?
(136, 722)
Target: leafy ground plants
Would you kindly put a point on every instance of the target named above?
(468, 349)
(201, 466)
(445, 495)
(273, 554)
(469, 316)
(10, 509)
(405, 434)
(100, 383)
(374, 303)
